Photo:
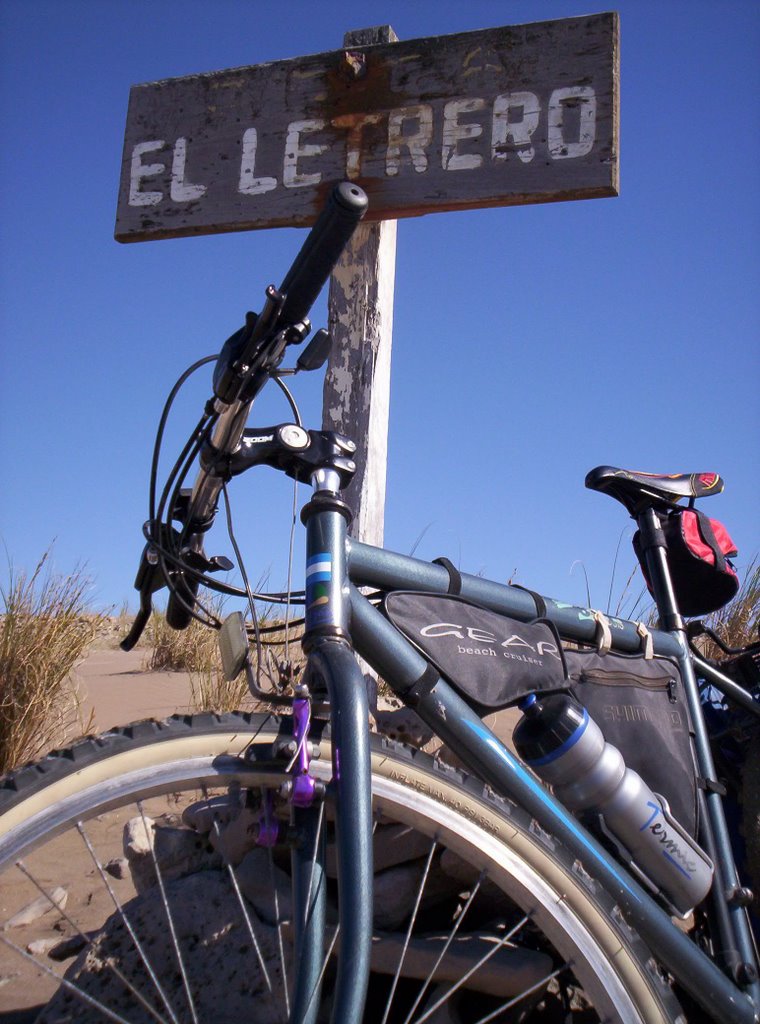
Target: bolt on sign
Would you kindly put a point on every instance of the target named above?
(498, 117)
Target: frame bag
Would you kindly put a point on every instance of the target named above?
(494, 662)
(491, 660)
(699, 552)
(640, 706)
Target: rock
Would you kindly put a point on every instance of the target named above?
(41, 946)
(138, 836)
(226, 979)
(178, 852)
(38, 908)
(258, 877)
(396, 844)
(235, 838)
(118, 867)
(64, 949)
(507, 972)
(396, 892)
(446, 1013)
(392, 844)
(467, 875)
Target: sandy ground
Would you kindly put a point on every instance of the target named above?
(115, 687)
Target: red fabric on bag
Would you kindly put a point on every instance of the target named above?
(692, 535)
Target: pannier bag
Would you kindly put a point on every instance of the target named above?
(699, 550)
(494, 661)
(491, 660)
(640, 706)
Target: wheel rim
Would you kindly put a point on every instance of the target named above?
(576, 949)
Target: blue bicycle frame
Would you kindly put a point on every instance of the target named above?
(339, 618)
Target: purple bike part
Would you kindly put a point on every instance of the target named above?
(269, 826)
(304, 786)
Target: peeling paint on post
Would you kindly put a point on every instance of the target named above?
(356, 397)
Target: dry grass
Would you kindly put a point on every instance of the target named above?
(195, 650)
(185, 650)
(737, 623)
(45, 629)
(210, 691)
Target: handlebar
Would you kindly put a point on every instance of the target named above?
(247, 361)
(321, 251)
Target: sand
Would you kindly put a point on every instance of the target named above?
(115, 687)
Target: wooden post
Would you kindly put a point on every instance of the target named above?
(356, 395)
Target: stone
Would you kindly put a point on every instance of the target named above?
(177, 851)
(65, 949)
(225, 977)
(396, 892)
(392, 845)
(236, 837)
(117, 868)
(40, 947)
(508, 971)
(258, 877)
(466, 875)
(397, 844)
(37, 908)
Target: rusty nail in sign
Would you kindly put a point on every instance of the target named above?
(355, 64)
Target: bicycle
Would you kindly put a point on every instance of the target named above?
(515, 910)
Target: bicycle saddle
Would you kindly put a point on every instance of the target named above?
(636, 490)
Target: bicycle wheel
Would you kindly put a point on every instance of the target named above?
(479, 915)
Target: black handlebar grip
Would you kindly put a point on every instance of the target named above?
(321, 250)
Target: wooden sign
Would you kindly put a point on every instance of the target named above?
(504, 116)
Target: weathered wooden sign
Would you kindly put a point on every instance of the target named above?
(521, 114)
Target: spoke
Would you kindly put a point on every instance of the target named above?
(170, 920)
(465, 977)
(318, 835)
(528, 991)
(246, 915)
(277, 919)
(423, 883)
(328, 954)
(89, 942)
(127, 924)
(78, 992)
(445, 949)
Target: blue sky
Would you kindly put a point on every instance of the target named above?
(530, 344)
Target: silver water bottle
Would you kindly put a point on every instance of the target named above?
(566, 748)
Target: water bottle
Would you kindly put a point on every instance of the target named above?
(566, 748)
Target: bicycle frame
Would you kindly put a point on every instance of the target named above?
(341, 623)
(339, 618)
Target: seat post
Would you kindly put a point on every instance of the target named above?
(653, 545)
(735, 949)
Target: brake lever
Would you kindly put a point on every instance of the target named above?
(257, 346)
(148, 580)
(138, 625)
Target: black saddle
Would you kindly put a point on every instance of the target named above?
(660, 490)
